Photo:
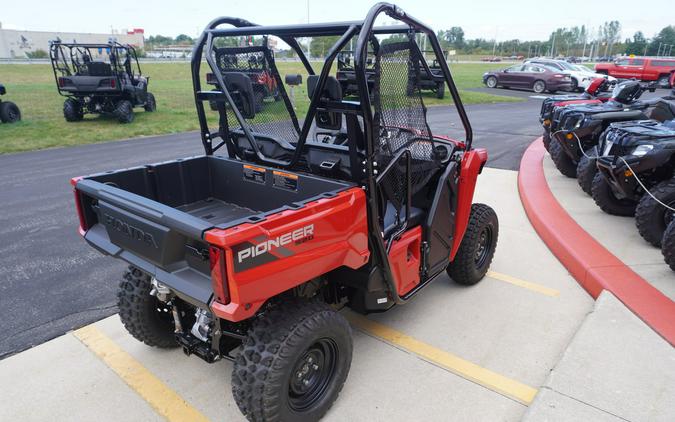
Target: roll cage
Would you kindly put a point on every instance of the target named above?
(400, 164)
(72, 59)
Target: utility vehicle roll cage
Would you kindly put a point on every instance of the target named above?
(68, 59)
(365, 33)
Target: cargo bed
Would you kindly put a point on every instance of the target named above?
(155, 216)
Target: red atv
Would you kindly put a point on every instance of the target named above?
(597, 91)
(249, 255)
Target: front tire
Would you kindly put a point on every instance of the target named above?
(546, 138)
(124, 111)
(586, 170)
(562, 161)
(9, 112)
(72, 110)
(604, 197)
(293, 363)
(150, 103)
(139, 311)
(668, 245)
(539, 87)
(491, 82)
(652, 218)
(575, 85)
(477, 248)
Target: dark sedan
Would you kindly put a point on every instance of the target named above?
(529, 76)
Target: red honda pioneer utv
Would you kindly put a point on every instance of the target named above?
(248, 255)
(99, 79)
(248, 60)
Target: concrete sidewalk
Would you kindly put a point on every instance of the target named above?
(615, 369)
(618, 234)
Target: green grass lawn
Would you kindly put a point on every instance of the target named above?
(33, 89)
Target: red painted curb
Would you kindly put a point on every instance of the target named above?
(591, 264)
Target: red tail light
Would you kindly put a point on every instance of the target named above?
(62, 82)
(210, 78)
(78, 206)
(218, 275)
(113, 83)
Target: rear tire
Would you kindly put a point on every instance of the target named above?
(477, 248)
(440, 91)
(9, 112)
(604, 197)
(539, 87)
(562, 161)
(259, 98)
(139, 314)
(586, 170)
(124, 111)
(668, 245)
(150, 103)
(652, 218)
(72, 110)
(293, 363)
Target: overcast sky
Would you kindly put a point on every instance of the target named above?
(524, 19)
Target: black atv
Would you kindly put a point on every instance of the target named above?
(597, 92)
(663, 110)
(577, 128)
(9, 112)
(668, 245)
(100, 79)
(640, 175)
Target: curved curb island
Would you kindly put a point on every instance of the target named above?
(589, 262)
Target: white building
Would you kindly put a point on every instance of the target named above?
(16, 43)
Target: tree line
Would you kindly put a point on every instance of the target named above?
(603, 41)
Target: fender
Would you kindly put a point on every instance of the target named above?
(472, 164)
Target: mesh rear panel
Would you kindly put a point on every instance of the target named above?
(401, 119)
(274, 116)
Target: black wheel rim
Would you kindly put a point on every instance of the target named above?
(12, 114)
(312, 374)
(483, 247)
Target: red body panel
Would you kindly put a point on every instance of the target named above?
(472, 163)
(568, 102)
(404, 259)
(331, 232)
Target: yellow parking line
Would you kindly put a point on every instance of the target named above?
(525, 284)
(465, 369)
(164, 400)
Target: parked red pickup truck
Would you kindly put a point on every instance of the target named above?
(643, 68)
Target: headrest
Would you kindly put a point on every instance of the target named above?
(332, 90)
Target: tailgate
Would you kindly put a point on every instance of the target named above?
(160, 240)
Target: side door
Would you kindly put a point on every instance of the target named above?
(621, 68)
(510, 75)
(636, 69)
(531, 72)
